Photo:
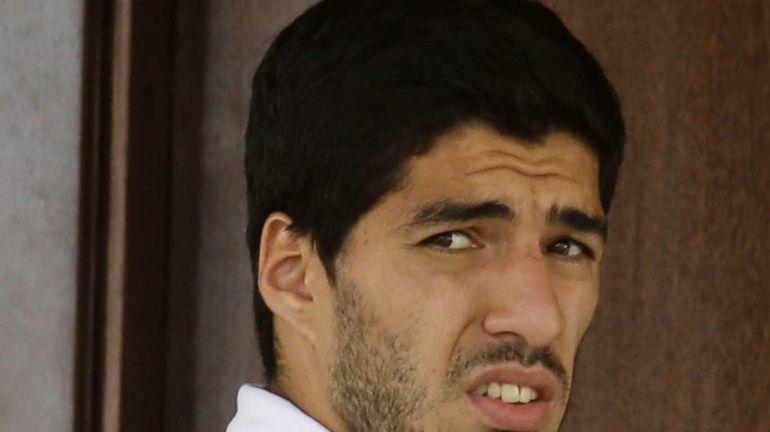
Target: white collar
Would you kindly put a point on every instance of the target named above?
(262, 411)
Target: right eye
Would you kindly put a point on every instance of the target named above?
(571, 249)
(450, 241)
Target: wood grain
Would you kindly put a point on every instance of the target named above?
(682, 337)
(134, 286)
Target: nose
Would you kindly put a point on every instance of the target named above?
(522, 302)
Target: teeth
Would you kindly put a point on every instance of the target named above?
(526, 395)
(493, 390)
(508, 393)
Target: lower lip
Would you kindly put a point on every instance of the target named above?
(512, 417)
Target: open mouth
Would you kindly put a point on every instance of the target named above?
(508, 393)
(513, 398)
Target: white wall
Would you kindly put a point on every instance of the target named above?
(40, 84)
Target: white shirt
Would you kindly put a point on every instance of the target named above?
(262, 411)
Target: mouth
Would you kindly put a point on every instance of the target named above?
(513, 398)
(508, 393)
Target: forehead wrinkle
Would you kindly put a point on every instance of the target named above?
(543, 167)
(520, 171)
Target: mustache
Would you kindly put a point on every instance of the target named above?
(507, 352)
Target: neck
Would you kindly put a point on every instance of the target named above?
(303, 379)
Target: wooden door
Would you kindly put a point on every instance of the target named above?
(681, 341)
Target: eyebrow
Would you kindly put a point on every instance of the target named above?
(578, 220)
(450, 210)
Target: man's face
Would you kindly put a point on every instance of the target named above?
(466, 292)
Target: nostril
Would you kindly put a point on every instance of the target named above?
(536, 321)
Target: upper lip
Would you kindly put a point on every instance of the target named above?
(512, 373)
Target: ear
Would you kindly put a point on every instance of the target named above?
(284, 258)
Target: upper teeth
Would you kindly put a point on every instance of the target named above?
(509, 393)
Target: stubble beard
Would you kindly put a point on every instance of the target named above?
(373, 384)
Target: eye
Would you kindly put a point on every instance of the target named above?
(451, 240)
(570, 248)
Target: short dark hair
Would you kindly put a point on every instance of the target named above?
(352, 89)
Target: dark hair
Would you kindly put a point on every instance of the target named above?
(351, 89)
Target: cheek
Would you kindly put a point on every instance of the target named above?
(450, 311)
(578, 304)
(433, 308)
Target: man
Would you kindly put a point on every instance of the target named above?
(428, 183)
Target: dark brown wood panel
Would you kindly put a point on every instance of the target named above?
(126, 144)
(93, 208)
(682, 337)
(143, 281)
(211, 341)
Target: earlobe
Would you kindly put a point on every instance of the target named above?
(283, 262)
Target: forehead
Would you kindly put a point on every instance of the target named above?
(477, 160)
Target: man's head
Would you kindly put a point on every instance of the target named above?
(428, 183)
